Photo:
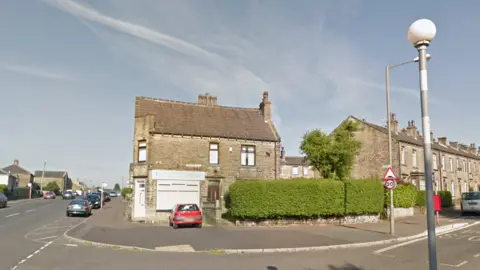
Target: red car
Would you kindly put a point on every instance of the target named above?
(49, 195)
(186, 214)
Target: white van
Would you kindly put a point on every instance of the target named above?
(470, 202)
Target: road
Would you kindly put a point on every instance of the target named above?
(457, 250)
(28, 225)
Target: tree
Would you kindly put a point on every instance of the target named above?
(52, 186)
(332, 155)
(117, 187)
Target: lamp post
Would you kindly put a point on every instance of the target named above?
(420, 34)
(390, 159)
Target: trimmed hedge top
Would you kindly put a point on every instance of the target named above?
(304, 198)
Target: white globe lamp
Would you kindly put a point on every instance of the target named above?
(421, 32)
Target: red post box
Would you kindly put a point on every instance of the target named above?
(437, 203)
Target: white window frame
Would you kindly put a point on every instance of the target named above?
(450, 162)
(469, 167)
(402, 155)
(213, 154)
(465, 187)
(452, 187)
(295, 170)
(435, 164)
(305, 170)
(443, 163)
(464, 166)
(414, 158)
(247, 155)
(142, 151)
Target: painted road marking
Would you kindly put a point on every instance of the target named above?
(456, 266)
(49, 237)
(476, 255)
(30, 256)
(12, 215)
(31, 210)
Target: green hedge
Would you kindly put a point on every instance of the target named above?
(404, 196)
(297, 198)
(125, 191)
(421, 198)
(304, 198)
(3, 189)
(446, 198)
(363, 197)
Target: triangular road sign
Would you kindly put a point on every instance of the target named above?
(390, 175)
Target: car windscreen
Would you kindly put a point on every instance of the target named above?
(77, 202)
(471, 196)
(187, 207)
(92, 198)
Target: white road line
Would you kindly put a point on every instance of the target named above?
(31, 210)
(50, 237)
(51, 228)
(456, 266)
(476, 255)
(12, 215)
(71, 245)
(31, 255)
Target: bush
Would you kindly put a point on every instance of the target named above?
(421, 198)
(3, 189)
(296, 198)
(126, 191)
(404, 196)
(52, 186)
(446, 197)
(363, 197)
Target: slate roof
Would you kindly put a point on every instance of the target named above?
(192, 119)
(402, 137)
(295, 161)
(50, 174)
(2, 172)
(15, 169)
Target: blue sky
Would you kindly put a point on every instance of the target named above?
(70, 70)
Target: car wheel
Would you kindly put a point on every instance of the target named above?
(462, 213)
(199, 226)
(175, 226)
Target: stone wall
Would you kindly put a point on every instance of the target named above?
(311, 222)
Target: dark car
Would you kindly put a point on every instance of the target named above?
(79, 208)
(94, 200)
(68, 195)
(106, 196)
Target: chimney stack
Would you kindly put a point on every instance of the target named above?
(454, 145)
(282, 153)
(393, 123)
(442, 140)
(15, 162)
(431, 137)
(265, 107)
(412, 129)
(207, 100)
(473, 149)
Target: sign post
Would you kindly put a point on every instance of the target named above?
(390, 179)
(29, 190)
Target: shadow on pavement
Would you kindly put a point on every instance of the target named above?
(347, 266)
(456, 213)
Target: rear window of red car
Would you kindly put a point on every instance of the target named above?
(188, 207)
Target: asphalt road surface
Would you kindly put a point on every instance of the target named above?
(25, 226)
(456, 250)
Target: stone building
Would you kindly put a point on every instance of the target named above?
(193, 151)
(456, 166)
(24, 177)
(295, 167)
(60, 177)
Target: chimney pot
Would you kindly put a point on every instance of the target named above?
(207, 100)
(15, 162)
(442, 140)
(265, 107)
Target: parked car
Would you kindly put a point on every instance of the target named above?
(106, 196)
(186, 214)
(68, 195)
(3, 200)
(49, 195)
(79, 207)
(113, 194)
(94, 201)
(470, 202)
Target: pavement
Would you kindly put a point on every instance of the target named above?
(111, 228)
(26, 224)
(456, 250)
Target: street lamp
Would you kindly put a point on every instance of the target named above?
(390, 161)
(420, 34)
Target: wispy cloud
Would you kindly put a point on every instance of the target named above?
(37, 72)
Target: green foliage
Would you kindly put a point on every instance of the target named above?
(446, 197)
(421, 199)
(297, 198)
(117, 187)
(404, 196)
(52, 186)
(126, 191)
(304, 198)
(363, 197)
(332, 155)
(3, 189)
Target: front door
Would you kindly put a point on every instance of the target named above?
(139, 209)
(213, 192)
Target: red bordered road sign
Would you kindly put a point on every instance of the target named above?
(390, 184)
(390, 175)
